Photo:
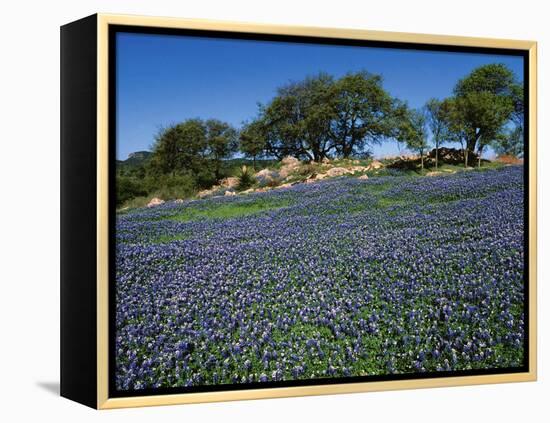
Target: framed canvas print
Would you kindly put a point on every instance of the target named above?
(255, 211)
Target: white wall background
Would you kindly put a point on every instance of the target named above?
(29, 223)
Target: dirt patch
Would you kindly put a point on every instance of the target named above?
(507, 159)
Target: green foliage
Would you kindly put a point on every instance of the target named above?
(364, 112)
(252, 141)
(510, 142)
(436, 119)
(162, 239)
(133, 203)
(221, 141)
(169, 187)
(417, 137)
(297, 121)
(128, 188)
(137, 192)
(230, 210)
(180, 147)
(186, 156)
(321, 117)
(135, 165)
(308, 169)
(412, 130)
(495, 78)
(194, 147)
(483, 102)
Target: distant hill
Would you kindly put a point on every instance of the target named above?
(135, 159)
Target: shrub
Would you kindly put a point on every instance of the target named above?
(134, 192)
(246, 179)
(128, 188)
(170, 187)
(307, 169)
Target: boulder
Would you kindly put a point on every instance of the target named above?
(266, 173)
(155, 202)
(374, 165)
(208, 192)
(337, 171)
(230, 182)
(178, 201)
(452, 156)
(363, 177)
(289, 160)
(204, 193)
(229, 193)
(266, 176)
(404, 163)
(289, 165)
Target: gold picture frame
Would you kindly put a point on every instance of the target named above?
(102, 399)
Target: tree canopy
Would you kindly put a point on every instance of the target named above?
(416, 137)
(194, 147)
(483, 103)
(364, 112)
(322, 117)
(252, 141)
(436, 112)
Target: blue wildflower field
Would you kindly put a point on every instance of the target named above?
(344, 277)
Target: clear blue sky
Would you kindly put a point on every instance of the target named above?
(163, 79)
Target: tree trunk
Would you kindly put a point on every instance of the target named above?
(422, 160)
(346, 151)
(436, 154)
(466, 154)
(479, 158)
(471, 145)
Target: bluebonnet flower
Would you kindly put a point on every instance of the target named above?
(390, 274)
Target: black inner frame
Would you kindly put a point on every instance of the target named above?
(114, 29)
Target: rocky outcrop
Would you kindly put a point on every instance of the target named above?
(230, 182)
(337, 171)
(267, 177)
(289, 165)
(452, 156)
(214, 190)
(340, 171)
(375, 165)
(155, 202)
(292, 172)
(290, 161)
